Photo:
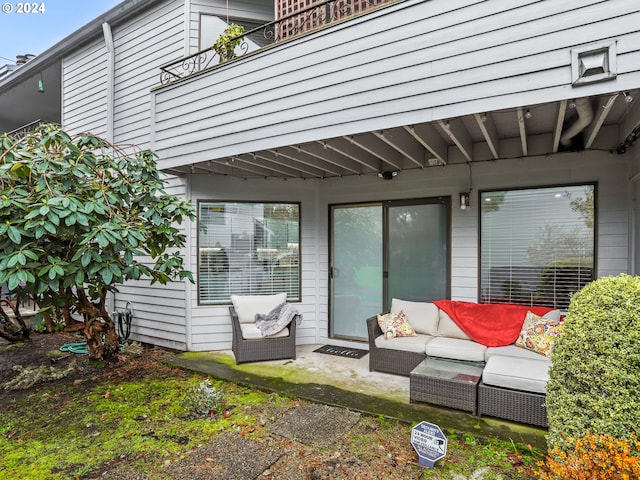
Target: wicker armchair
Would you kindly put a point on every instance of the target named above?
(387, 360)
(261, 349)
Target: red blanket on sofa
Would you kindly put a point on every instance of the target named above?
(490, 324)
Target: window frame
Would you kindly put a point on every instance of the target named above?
(481, 193)
(226, 204)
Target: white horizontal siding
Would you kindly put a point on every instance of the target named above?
(160, 312)
(84, 89)
(142, 45)
(411, 62)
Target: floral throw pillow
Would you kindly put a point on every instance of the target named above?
(395, 325)
(539, 334)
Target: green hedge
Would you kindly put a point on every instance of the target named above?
(595, 372)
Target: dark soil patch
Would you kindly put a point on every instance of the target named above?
(40, 350)
(43, 350)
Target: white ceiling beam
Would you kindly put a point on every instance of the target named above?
(523, 131)
(404, 143)
(265, 163)
(559, 123)
(295, 154)
(457, 132)
(230, 164)
(379, 149)
(602, 110)
(489, 131)
(322, 152)
(631, 119)
(208, 167)
(349, 150)
(429, 139)
(275, 156)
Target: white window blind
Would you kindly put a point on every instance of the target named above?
(537, 245)
(248, 249)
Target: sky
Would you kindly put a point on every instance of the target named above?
(46, 24)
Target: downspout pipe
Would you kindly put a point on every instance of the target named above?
(111, 73)
(585, 117)
(110, 92)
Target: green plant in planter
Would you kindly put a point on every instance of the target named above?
(594, 384)
(227, 42)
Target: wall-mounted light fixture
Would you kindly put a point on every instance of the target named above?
(388, 175)
(464, 200)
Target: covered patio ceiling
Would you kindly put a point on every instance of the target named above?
(606, 122)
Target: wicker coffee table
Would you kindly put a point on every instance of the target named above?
(448, 383)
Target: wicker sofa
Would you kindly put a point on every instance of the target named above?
(513, 381)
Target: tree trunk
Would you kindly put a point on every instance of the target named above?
(102, 339)
(99, 329)
(12, 329)
(69, 322)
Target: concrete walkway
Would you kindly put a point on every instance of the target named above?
(348, 383)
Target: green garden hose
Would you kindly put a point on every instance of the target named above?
(79, 348)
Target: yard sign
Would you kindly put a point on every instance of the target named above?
(429, 442)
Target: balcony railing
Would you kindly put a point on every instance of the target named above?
(23, 130)
(301, 21)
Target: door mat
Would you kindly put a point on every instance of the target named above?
(342, 351)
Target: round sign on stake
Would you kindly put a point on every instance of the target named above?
(429, 443)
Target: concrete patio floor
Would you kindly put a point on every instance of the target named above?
(348, 383)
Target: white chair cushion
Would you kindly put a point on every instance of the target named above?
(414, 344)
(456, 349)
(247, 306)
(423, 316)
(250, 331)
(448, 328)
(512, 351)
(524, 374)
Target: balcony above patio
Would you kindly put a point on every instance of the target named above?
(320, 14)
(406, 85)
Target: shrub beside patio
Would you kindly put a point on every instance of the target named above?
(593, 396)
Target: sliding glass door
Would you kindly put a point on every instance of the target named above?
(384, 250)
(418, 252)
(356, 270)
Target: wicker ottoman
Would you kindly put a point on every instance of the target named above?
(514, 389)
(448, 383)
(515, 405)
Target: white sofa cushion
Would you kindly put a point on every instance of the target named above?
(414, 344)
(423, 316)
(517, 373)
(448, 328)
(249, 331)
(247, 306)
(456, 349)
(512, 351)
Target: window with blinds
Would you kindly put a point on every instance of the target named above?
(536, 245)
(248, 249)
